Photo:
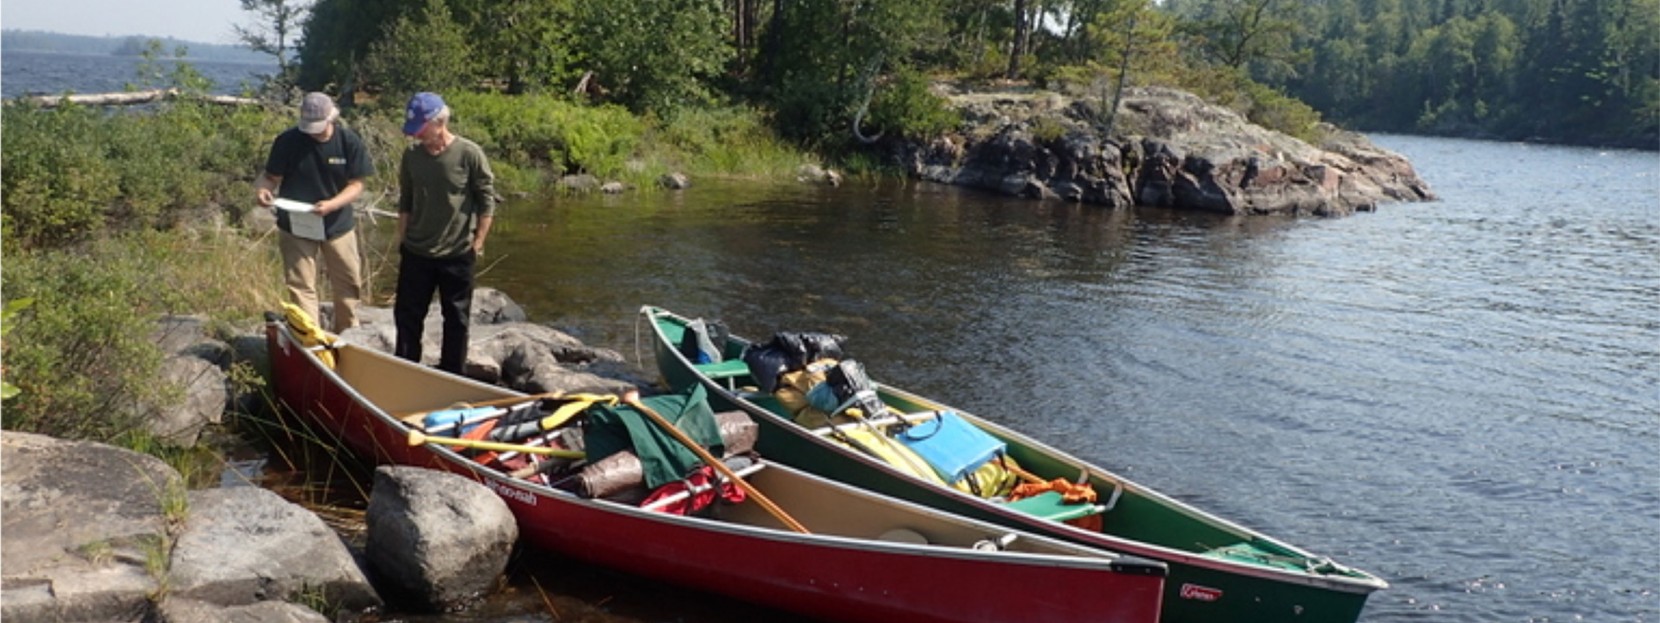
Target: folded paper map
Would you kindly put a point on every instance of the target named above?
(303, 220)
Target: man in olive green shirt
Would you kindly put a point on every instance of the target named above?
(446, 203)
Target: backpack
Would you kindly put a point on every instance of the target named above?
(704, 341)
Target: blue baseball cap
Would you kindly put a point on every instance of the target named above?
(422, 108)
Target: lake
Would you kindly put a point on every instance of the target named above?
(24, 72)
(1461, 396)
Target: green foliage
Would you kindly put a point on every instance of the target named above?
(427, 51)
(82, 353)
(654, 55)
(8, 316)
(816, 78)
(1048, 129)
(1274, 110)
(723, 141)
(1565, 71)
(524, 44)
(540, 129)
(907, 107)
(58, 183)
(73, 171)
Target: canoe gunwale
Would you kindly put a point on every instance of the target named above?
(1365, 584)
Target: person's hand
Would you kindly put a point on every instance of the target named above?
(264, 197)
(321, 208)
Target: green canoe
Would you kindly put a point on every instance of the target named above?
(1220, 571)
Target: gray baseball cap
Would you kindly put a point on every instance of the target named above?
(316, 111)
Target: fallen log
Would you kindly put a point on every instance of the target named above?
(130, 98)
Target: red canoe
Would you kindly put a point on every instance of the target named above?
(842, 569)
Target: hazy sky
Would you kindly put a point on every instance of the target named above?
(202, 21)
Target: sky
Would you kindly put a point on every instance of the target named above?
(200, 21)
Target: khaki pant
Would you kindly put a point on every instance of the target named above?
(340, 260)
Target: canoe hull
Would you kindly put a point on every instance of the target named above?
(1200, 589)
(824, 577)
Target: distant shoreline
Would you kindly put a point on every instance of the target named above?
(188, 58)
(37, 41)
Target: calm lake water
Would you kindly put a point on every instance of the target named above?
(24, 72)
(1462, 396)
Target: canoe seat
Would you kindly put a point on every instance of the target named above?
(1259, 554)
(1049, 505)
(724, 371)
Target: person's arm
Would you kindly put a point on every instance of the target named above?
(269, 180)
(482, 233)
(406, 198)
(265, 188)
(483, 183)
(342, 200)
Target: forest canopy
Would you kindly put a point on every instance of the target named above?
(1572, 71)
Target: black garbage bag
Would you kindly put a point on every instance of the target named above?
(788, 352)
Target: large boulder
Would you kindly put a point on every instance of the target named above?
(243, 545)
(437, 538)
(194, 364)
(83, 522)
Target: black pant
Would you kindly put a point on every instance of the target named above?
(417, 278)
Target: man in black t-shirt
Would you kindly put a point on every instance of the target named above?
(321, 164)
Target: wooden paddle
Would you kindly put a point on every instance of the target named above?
(632, 398)
(417, 438)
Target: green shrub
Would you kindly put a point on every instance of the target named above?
(548, 131)
(82, 354)
(722, 141)
(907, 107)
(72, 172)
(1274, 110)
(1048, 129)
(58, 183)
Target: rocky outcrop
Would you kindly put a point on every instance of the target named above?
(82, 523)
(437, 537)
(244, 545)
(1167, 149)
(98, 533)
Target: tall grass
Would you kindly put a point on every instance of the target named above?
(82, 356)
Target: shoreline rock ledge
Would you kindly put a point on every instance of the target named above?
(1168, 149)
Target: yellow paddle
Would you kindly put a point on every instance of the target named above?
(632, 398)
(417, 438)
